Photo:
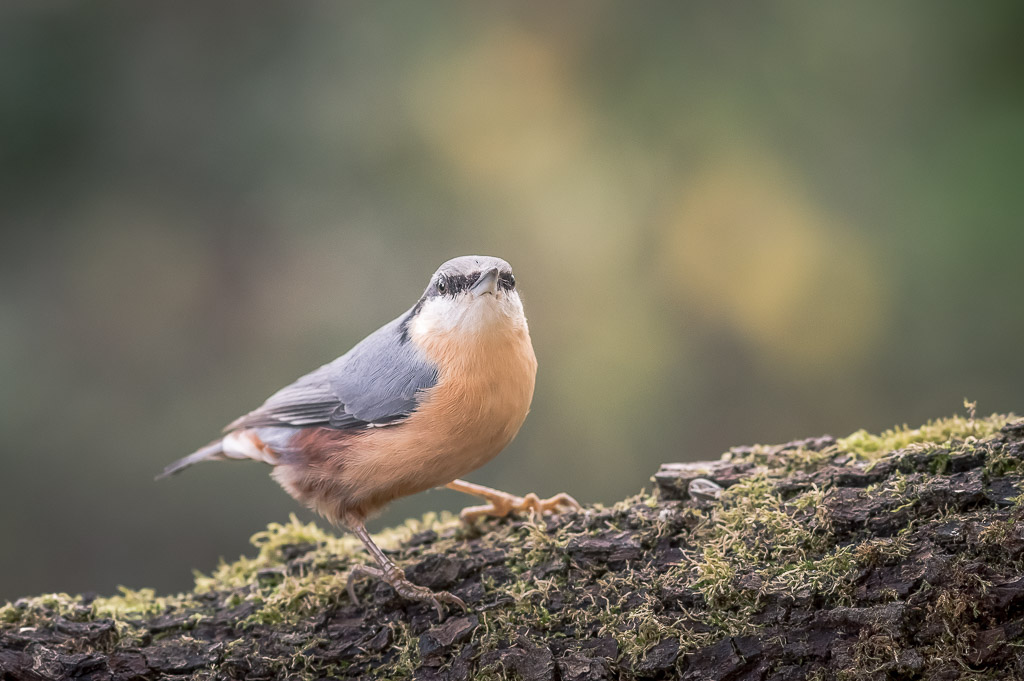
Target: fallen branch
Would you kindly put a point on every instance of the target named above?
(899, 555)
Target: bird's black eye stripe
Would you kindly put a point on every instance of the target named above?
(457, 283)
(452, 284)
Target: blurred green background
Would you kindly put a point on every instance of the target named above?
(730, 222)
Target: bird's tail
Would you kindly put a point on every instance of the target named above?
(211, 452)
(238, 444)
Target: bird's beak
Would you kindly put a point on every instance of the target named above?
(487, 283)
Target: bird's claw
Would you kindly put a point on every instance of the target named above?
(500, 504)
(359, 571)
(403, 587)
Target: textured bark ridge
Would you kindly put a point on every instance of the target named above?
(893, 556)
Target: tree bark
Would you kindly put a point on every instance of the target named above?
(820, 559)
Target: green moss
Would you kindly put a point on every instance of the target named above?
(779, 547)
(939, 463)
(1000, 463)
(327, 549)
(753, 524)
(405, 648)
(647, 629)
(132, 604)
(882, 551)
(945, 432)
(30, 611)
(295, 597)
(9, 614)
(873, 654)
(283, 597)
(995, 534)
(777, 461)
(715, 574)
(264, 580)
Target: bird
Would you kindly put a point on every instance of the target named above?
(422, 401)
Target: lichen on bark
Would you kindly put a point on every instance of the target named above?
(899, 555)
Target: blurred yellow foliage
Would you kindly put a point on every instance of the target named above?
(746, 248)
(501, 109)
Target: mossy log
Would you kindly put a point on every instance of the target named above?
(869, 557)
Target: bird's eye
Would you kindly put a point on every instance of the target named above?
(442, 286)
(511, 280)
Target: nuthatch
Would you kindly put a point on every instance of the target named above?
(425, 399)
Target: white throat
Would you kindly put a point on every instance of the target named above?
(469, 313)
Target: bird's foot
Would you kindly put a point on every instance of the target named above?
(406, 589)
(500, 504)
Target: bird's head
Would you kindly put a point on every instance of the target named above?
(471, 294)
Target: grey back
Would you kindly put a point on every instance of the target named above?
(378, 381)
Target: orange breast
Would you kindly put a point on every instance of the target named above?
(483, 394)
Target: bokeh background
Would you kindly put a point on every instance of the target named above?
(731, 223)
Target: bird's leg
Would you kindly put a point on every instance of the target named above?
(394, 576)
(500, 504)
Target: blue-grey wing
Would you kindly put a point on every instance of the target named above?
(379, 381)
